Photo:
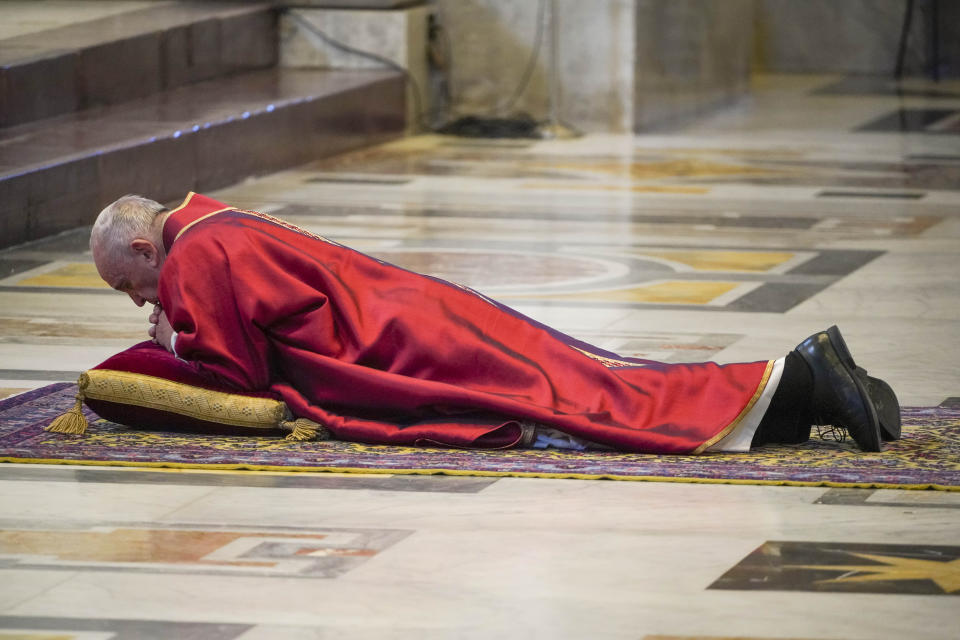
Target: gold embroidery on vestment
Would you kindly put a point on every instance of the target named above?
(286, 225)
(200, 219)
(609, 362)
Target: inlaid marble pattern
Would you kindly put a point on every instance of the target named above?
(847, 568)
(688, 171)
(266, 552)
(743, 279)
(573, 234)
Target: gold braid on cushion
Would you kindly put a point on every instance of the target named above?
(125, 387)
(73, 421)
(302, 429)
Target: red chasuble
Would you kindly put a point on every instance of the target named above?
(379, 354)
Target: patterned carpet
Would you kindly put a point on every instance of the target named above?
(928, 456)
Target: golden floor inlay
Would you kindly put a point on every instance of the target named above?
(847, 567)
(73, 274)
(264, 552)
(670, 292)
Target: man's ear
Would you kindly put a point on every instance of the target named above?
(145, 250)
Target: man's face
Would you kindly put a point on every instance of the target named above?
(136, 275)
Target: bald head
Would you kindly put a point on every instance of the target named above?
(125, 219)
(127, 246)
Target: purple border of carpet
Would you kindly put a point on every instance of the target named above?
(928, 455)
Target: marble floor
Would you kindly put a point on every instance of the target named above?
(820, 200)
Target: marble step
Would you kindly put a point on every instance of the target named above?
(130, 54)
(58, 173)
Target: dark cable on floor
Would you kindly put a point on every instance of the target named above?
(520, 125)
(491, 124)
(440, 57)
(336, 44)
(532, 62)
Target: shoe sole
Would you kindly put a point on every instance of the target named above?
(846, 359)
(886, 403)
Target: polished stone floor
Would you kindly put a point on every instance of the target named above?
(818, 201)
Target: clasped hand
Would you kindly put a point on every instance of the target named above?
(160, 329)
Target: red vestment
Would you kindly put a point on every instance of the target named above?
(379, 354)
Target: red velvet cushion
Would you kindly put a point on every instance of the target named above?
(150, 359)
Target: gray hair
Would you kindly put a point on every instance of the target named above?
(124, 220)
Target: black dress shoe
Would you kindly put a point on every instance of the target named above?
(885, 402)
(839, 396)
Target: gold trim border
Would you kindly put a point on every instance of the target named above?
(736, 421)
(185, 202)
(497, 474)
(151, 392)
(200, 219)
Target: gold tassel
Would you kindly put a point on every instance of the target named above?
(302, 429)
(73, 421)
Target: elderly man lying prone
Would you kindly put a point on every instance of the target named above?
(379, 354)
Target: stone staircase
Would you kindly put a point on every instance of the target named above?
(162, 99)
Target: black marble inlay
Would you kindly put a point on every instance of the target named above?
(931, 157)
(893, 195)
(60, 290)
(12, 266)
(57, 627)
(911, 120)
(425, 484)
(357, 180)
(860, 497)
(845, 496)
(775, 297)
(837, 262)
(847, 567)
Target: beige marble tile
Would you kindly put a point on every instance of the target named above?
(18, 587)
(57, 357)
(52, 503)
(55, 306)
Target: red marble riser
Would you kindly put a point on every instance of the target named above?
(58, 174)
(131, 55)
